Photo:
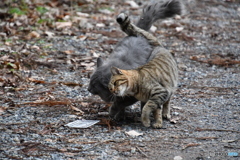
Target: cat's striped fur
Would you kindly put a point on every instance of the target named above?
(153, 83)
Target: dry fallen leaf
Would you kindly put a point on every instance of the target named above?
(2, 109)
(68, 51)
(63, 24)
(32, 35)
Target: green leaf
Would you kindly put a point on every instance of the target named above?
(42, 10)
(16, 11)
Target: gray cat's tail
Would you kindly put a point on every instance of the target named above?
(159, 10)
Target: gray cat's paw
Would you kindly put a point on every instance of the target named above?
(121, 17)
(117, 116)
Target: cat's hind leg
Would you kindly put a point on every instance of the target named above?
(131, 30)
(166, 110)
(158, 118)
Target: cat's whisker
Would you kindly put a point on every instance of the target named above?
(112, 98)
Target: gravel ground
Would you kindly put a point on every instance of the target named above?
(205, 109)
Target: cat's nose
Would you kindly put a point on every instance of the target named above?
(110, 89)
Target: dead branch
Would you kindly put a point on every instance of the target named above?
(50, 103)
(219, 130)
(216, 61)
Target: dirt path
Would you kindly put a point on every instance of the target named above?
(44, 76)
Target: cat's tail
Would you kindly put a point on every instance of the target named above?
(159, 10)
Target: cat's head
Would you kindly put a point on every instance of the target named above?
(99, 81)
(119, 83)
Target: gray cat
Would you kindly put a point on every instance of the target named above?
(130, 53)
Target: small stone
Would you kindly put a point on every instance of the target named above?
(153, 29)
(100, 25)
(133, 150)
(177, 158)
(16, 139)
(175, 113)
(179, 29)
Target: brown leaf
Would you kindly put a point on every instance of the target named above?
(36, 81)
(108, 122)
(63, 24)
(32, 35)
(68, 51)
(2, 109)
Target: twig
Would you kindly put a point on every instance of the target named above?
(190, 145)
(205, 138)
(106, 141)
(50, 103)
(232, 147)
(11, 157)
(198, 138)
(230, 141)
(141, 151)
(219, 130)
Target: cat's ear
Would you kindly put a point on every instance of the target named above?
(116, 71)
(99, 62)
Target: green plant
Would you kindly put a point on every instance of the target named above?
(41, 21)
(17, 11)
(40, 41)
(107, 8)
(41, 10)
(8, 40)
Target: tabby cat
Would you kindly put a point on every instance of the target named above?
(133, 51)
(153, 83)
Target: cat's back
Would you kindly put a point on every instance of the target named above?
(131, 53)
(162, 68)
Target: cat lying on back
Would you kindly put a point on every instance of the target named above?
(130, 53)
(153, 83)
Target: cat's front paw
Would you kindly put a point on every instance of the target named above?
(157, 125)
(121, 17)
